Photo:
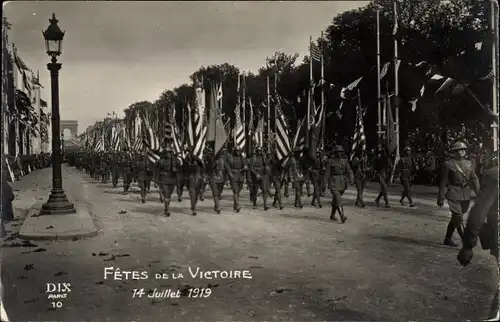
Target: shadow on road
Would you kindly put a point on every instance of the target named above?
(407, 240)
(319, 219)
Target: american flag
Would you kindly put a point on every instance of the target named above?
(199, 137)
(282, 139)
(315, 52)
(150, 140)
(177, 144)
(239, 130)
(359, 138)
(115, 139)
(259, 133)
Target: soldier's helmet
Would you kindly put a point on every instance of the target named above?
(338, 148)
(458, 146)
(258, 148)
(407, 148)
(168, 148)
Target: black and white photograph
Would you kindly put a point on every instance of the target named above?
(247, 161)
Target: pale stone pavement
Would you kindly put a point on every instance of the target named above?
(383, 264)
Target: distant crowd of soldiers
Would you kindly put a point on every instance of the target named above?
(260, 171)
(22, 165)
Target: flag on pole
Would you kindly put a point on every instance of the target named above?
(359, 138)
(259, 133)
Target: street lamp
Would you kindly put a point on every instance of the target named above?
(58, 203)
(62, 145)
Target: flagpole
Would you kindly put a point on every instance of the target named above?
(238, 110)
(396, 78)
(244, 110)
(277, 98)
(323, 121)
(311, 80)
(268, 123)
(494, 30)
(379, 95)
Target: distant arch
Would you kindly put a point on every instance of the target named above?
(69, 129)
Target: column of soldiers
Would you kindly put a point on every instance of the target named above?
(262, 170)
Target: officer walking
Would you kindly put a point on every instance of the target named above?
(235, 169)
(215, 173)
(127, 172)
(382, 166)
(359, 166)
(167, 168)
(195, 169)
(259, 176)
(277, 174)
(339, 175)
(407, 167)
(456, 178)
(115, 170)
(143, 168)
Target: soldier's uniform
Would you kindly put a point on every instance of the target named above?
(407, 167)
(382, 167)
(298, 173)
(359, 166)
(194, 168)
(259, 176)
(317, 169)
(215, 172)
(339, 175)
(456, 179)
(127, 170)
(167, 167)
(115, 169)
(482, 222)
(277, 173)
(143, 169)
(236, 168)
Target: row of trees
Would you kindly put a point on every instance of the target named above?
(437, 32)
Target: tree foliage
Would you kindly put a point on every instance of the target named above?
(428, 30)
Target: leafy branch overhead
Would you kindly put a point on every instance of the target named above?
(431, 31)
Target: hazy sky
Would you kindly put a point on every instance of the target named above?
(117, 53)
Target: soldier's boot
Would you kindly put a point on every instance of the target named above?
(236, 202)
(402, 200)
(216, 204)
(313, 201)
(412, 204)
(143, 194)
(115, 182)
(202, 191)
(264, 198)
(386, 200)
(333, 212)
(161, 195)
(308, 189)
(285, 193)
(343, 218)
(448, 241)
(277, 197)
(194, 199)
(166, 211)
(179, 193)
(377, 200)
(148, 186)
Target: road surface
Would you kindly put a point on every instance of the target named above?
(383, 264)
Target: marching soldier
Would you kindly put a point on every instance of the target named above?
(457, 177)
(195, 168)
(277, 174)
(269, 158)
(298, 173)
(482, 222)
(143, 169)
(235, 169)
(115, 169)
(382, 167)
(258, 166)
(339, 175)
(317, 169)
(166, 168)
(205, 176)
(215, 172)
(127, 170)
(359, 166)
(407, 167)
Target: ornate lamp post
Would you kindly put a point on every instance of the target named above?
(62, 145)
(58, 203)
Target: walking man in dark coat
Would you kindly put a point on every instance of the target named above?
(457, 177)
(167, 168)
(339, 175)
(236, 168)
(407, 167)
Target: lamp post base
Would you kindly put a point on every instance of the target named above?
(57, 204)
